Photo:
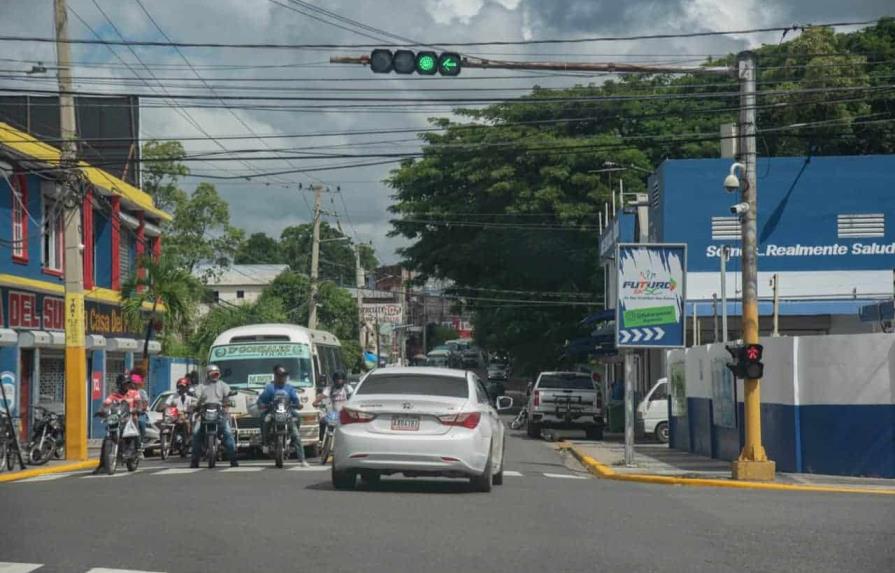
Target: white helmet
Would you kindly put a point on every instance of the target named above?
(213, 372)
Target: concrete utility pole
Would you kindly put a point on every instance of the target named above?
(752, 463)
(315, 259)
(359, 283)
(69, 197)
(724, 253)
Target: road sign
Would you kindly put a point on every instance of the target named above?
(651, 295)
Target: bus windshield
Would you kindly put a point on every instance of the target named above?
(252, 364)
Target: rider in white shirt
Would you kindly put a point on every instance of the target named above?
(335, 395)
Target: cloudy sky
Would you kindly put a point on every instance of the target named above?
(361, 207)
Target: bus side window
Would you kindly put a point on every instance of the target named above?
(338, 362)
(318, 372)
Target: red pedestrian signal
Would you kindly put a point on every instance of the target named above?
(746, 361)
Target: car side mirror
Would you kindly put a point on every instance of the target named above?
(504, 403)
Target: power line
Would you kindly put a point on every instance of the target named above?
(296, 46)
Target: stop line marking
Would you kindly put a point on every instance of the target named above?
(564, 476)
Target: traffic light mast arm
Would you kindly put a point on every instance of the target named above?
(364, 60)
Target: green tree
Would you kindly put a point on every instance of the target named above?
(169, 290)
(201, 234)
(162, 168)
(259, 248)
(337, 259)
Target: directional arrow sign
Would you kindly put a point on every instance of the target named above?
(449, 64)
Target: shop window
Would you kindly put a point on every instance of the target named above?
(52, 234)
(19, 219)
(125, 259)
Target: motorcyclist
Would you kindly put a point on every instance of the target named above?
(141, 406)
(124, 392)
(213, 391)
(183, 400)
(266, 399)
(335, 395)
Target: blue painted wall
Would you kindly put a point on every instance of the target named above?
(850, 440)
(699, 413)
(103, 262)
(798, 204)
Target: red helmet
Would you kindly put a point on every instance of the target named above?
(183, 382)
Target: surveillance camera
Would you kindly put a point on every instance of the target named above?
(739, 209)
(731, 183)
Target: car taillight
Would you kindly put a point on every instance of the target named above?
(349, 416)
(537, 398)
(468, 420)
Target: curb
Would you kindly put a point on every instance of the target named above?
(25, 474)
(601, 470)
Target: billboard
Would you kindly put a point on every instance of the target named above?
(391, 313)
(651, 295)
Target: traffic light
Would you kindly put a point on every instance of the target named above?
(426, 63)
(747, 361)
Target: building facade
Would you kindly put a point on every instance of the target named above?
(239, 284)
(120, 224)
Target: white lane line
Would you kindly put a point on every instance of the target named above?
(117, 474)
(240, 469)
(18, 567)
(49, 477)
(105, 570)
(310, 469)
(509, 473)
(564, 476)
(177, 471)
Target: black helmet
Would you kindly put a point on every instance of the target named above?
(120, 382)
(339, 378)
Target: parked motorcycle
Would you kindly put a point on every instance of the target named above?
(122, 437)
(47, 437)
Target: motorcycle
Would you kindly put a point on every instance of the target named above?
(122, 437)
(173, 433)
(280, 417)
(47, 437)
(211, 417)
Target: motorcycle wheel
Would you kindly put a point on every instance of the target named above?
(41, 452)
(163, 446)
(133, 462)
(212, 452)
(10, 458)
(280, 449)
(2, 454)
(59, 450)
(327, 447)
(111, 461)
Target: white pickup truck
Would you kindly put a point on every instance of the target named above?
(565, 400)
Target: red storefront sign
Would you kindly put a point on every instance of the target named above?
(97, 386)
(53, 313)
(23, 310)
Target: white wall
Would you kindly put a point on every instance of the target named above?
(228, 293)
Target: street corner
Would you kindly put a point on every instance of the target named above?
(60, 468)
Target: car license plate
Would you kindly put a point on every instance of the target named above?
(406, 423)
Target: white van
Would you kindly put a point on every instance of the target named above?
(652, 413)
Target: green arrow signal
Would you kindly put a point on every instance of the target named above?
(449, 64)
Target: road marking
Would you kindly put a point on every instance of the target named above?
(310, 469)
(509, 473)
(48, 477)
(105, 570)
(117, 474)
(177, 471)
(564, 476)
(19, 567)
(243, 469)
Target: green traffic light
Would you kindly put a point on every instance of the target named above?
(449, 64)
(427, 63)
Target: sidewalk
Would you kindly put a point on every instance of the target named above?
(657, 463)
(54, 466)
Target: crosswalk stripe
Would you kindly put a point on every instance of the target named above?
(177, 471)
(18, 567)
(105, 570)
(310, 469)
(117, 474)
(243, 469)
(564, 476)
(510, 473)
(48, 477)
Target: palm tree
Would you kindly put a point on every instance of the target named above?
(169, 290)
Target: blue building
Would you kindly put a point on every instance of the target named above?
(120, 222)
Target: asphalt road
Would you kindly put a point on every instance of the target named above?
(549, 516)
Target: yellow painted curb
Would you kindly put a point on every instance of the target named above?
(25, 474)
(602, 470)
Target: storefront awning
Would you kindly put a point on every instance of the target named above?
(122, 344)
(94, 341)
(155, 347)
(8, 337)
(41, 339)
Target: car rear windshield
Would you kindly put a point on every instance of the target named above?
(420, 384)
(566, 382)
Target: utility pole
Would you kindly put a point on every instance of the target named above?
(75, 359)
(315, 260)
(724, 253)
(359, 284)
(752, 463)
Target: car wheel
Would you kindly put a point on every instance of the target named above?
(343, 479)
(662, 432)
(594, 432)
(498, 477)
(533, 430)
(483, 482)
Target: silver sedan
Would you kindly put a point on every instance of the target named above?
(420, 422)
